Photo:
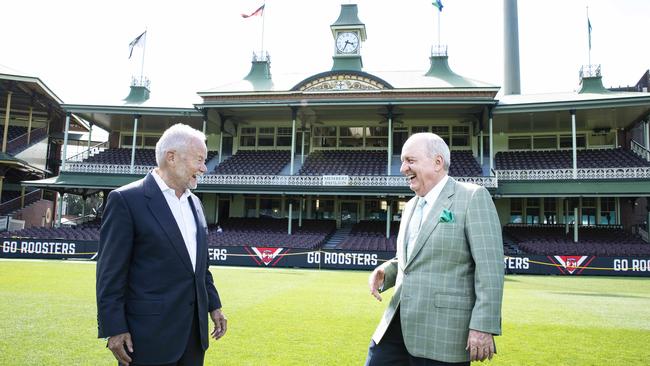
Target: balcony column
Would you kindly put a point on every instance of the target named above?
(301, 207)
(389, 116)
(6, 129)
(29, 124)
(133, 141)
(575, 225)
(290, 216)
(90, 137)
(294, 111)
(647, 136)
(491, 134)
(480, 143)
(388, 216)
(65, 146)
(573, 143)
(302, 145)
(59, 210)
(216, 209)
(22, 197)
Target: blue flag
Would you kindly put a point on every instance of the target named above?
(438, 4)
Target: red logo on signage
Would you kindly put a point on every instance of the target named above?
(267, 255)
(572, 263)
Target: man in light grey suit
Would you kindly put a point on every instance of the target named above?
(448, 270)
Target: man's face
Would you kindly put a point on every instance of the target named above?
(422, 170)
(188, 165)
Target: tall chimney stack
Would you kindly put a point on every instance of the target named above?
(511, 82)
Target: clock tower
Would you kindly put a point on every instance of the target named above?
(348, 32)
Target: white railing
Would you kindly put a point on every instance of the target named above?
(106, 168)
(88, 153)
(274, 180)
(567, 174)
(640, 150)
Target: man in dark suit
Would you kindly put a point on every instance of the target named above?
(154, 287)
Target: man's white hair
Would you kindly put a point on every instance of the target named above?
(436, 146)
(177, 137)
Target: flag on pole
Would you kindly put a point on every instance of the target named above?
(259, 11)
(589, 31)
(137, 42)
(438, 4)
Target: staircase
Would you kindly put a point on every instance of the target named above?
(338, 236)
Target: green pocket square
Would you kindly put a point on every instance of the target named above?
(446, 216)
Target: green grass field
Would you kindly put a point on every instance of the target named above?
(309, 317)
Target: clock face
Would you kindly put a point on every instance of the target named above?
(347, 42)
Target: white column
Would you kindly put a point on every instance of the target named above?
(220, 145)
(302, 146)
(293, 138)
(133, 141)
(59, 210)
(491, 132)
(302, 207)
(216, 209)
(573, 144)
(388, 215)
(29, 124)
(390, 140)
(290, 217)
(6, 128)
(481, 148)
(90, 137)
(575, 225)
(65, 144)
(646, 138)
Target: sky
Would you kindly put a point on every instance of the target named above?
(80, 48)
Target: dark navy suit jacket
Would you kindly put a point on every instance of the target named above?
(145, 281)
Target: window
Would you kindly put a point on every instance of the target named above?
(460, 136)
(519, 143)
(607, 211)
(417, 129)
(351, 137)
(516, 208)
(247, 137)
(550, 211)
(250, 206)
(589, 211)
(284, 137)
(442, 131)
(270, 207)
(545, 142)
(266, 136)
(323, 209)
(376, 136)
(532, 211)
(324, 137)
(567, 143)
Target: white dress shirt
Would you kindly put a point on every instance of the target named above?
(432, 196)
(413, 229)
(182, 212)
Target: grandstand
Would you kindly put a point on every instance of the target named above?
(303, 161)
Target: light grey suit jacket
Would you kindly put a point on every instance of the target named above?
(453, 281)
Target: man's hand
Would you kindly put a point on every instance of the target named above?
(480, 345)
(375, 281)
(220, 323)
(116, 344)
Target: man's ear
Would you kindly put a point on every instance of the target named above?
(170, 156)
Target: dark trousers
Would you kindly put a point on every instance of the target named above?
(194, 353)
(391, 351)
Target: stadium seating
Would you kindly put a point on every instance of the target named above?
(371, 235)
(254, 163)
(64, 232)
(122, 156)
(347, 162)
(463, 164)
(599, 241)
(271, 233)
(12, 132)
(563, 159)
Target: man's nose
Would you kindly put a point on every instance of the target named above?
(403, 167)
(203, 168)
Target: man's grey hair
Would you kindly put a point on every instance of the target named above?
(178, 137)
(436, 146)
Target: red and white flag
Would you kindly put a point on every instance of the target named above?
(259, 12)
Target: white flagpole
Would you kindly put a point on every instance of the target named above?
(438, 27)
(144, 48)
(589, 35)
(263, 18)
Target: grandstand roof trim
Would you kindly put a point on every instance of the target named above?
(7, 74)
(555, 101)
